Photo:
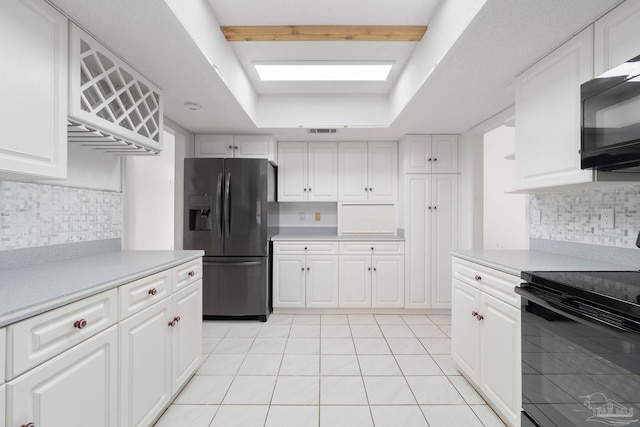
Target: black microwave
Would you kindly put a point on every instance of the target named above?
(610, 127)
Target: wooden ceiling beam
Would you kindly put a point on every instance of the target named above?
(297, 33)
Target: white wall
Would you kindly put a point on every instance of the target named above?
(470, 186)
(303, 214)
(149, 199)
(505, 219)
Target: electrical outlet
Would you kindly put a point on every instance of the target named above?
(301, 216)
(608, 219)
(317, 216)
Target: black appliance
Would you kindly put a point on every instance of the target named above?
(580, 348)
(230, 212)
(610, 133)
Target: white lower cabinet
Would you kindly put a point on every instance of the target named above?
(73, 366)
(186, 343)
(145, 364)
(76, 388)
(368, 280)
(485, 340)
(305, 280)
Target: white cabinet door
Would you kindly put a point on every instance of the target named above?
(254, 147)
(387, 281)
(186, 340)
(355, 281)
(416, 153)
(501, 357)
(465, 329)
(417, 196)
(33, 42)
(383, 171)
(322, 281)
(322, 172)
(292, 172)
(77, 388)
(353, 185)
(289, 281)
(548, 117)
(219, 146)
(145, 364)
(444, 154)
(444, 228)
(2, 404)
(616, 36)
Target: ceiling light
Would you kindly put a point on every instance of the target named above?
(324, 71)
(193, 106)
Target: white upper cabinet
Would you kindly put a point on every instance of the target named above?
(238, 146)
(368, 171)
(307, 171)
(429, 153)
(548, 117)
(105, 93)
(617, 36)
(33, 105)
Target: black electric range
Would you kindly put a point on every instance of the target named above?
(580, 348)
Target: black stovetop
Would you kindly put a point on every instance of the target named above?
(618, 290)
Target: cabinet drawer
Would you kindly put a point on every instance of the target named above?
(39, 338)
(372, 247)
(187, 273)
(302, 247)
(497, 283)
(137, 295)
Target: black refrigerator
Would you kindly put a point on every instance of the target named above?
(230, 212)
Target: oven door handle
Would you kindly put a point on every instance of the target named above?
(573, 314)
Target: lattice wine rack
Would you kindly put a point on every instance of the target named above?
(111, 106)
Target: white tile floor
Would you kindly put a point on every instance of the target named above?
(329, 371)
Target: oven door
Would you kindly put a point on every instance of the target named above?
(576, 370)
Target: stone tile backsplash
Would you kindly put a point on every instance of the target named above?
(33, 215)
(575, 215)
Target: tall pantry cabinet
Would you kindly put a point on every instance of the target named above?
(429, 168)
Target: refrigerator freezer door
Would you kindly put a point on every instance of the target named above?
(245, 207)
(235, 287)
(203, 184)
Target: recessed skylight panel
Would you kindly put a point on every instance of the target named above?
(324, 72)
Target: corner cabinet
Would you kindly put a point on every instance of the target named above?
(33, 42)
(307, 172)
(548, 117)
(368, 171)
(485, 339)
(86, 364)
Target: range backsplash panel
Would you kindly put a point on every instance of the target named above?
(576, 215)
(33, 215)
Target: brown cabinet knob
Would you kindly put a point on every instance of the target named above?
(304, 189)
(369, 268)
(28, 425)
(172, 323)
(435, 159)
(80, 324)
(480, 317)
(309, 190)
(176, 319)
(366, 189)
(191, 273)
(370, 189)
(231, 147)
(152, 291)
(430, 159)
(478, 278)
(474, 313)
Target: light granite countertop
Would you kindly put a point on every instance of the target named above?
(25, 292)
(514, 262)
(330, 233)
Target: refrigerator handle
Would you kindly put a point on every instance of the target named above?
(227, 204)
(219, 191)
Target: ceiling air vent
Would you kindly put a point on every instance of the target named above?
(323, 130)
